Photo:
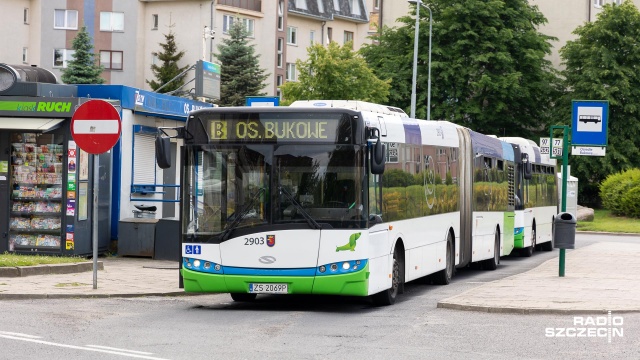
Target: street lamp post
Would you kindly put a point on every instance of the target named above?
(419, 3)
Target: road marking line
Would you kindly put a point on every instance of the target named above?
(80, 347)
(116, 349)
(20, 334)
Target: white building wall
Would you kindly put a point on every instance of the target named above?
(15, 33)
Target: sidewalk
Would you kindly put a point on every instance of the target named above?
(121, 277)
(598, 278)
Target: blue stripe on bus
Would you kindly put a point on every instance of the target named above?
(507, 151)
(412, 134)
(269, 272)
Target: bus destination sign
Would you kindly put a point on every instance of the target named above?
(273, 130)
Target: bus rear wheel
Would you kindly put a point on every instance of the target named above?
(528, 251)
(443, 277)
(243, 297)
(492, 264)
(388, 297)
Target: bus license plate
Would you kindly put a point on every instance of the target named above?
(269, 288)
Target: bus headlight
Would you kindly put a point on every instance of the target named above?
(344, 267)
(196, 263)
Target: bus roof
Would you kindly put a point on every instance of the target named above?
(352, 105)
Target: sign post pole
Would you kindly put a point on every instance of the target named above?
(94, 218)
(96, 128)
(565, 164)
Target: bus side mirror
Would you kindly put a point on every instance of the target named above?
(527, 167)
(377, 158)
(163, 152)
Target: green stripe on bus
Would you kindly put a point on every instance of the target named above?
(508, 238)
(356, 284)
(518, 241)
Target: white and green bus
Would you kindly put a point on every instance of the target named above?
(536, 197)
(342, 198)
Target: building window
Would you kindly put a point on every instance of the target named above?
(25, 16)
(291, 72)
(279, 93)
(376, 4)
(321, 6)
(312, 37)
(154, 22)
(355, 7)
(278, 80)
(330, 34)
(111, 59)
(292, 35)
(66, 19)
(248, 25)
(336, 5)
(111, 21)
(280, 15)
(61, 57)
(155, 60)
(227, 22)
(301, 4)
(280, 51)
(348, 36)
(598, 3)
(25, 55)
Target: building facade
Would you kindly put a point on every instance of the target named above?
(126, 33)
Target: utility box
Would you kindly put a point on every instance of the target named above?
(137, 237)
(167, 240)
(572, 194)
(564, 235)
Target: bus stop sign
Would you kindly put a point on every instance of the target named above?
(95, 126)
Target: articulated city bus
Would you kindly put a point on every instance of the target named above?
(342, 198)
(536, 197)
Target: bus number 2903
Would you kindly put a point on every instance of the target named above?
(254, 241)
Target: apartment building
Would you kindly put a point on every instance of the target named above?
(127, 32)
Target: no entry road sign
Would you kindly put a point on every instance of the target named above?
(95, 126)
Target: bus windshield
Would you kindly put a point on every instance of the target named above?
(257, 185)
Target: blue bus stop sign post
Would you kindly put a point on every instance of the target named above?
(589, 122)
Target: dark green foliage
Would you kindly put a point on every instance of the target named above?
(335, 73)
(82, 69)
(488, 67)
(240, 72)
(602, 64)
(169, 68)
(620, 193)
(397, 178)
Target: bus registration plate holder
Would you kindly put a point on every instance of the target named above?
(268, 288)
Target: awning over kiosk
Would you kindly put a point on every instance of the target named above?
(22, 123)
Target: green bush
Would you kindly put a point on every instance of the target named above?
(620, 193)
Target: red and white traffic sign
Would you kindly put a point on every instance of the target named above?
(95, 126)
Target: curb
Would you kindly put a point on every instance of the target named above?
(19, 271)
(606, 233)
(527, 311)
(88, 296)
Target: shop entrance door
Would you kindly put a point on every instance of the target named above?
(4, 190)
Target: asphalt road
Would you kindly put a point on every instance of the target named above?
(301, 327)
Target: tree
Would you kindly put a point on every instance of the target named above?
(488, 69)
(169, 68)
(82, 69)
(335, 73)
(240, 72)
(602, 64)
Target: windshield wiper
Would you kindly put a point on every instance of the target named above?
(304, 213)
(227, 230)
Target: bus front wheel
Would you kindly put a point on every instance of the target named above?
(388, 297)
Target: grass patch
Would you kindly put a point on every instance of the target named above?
(12, 260)
(70, 284)
(604, 221)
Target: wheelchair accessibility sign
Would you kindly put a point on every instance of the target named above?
(192, 249)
